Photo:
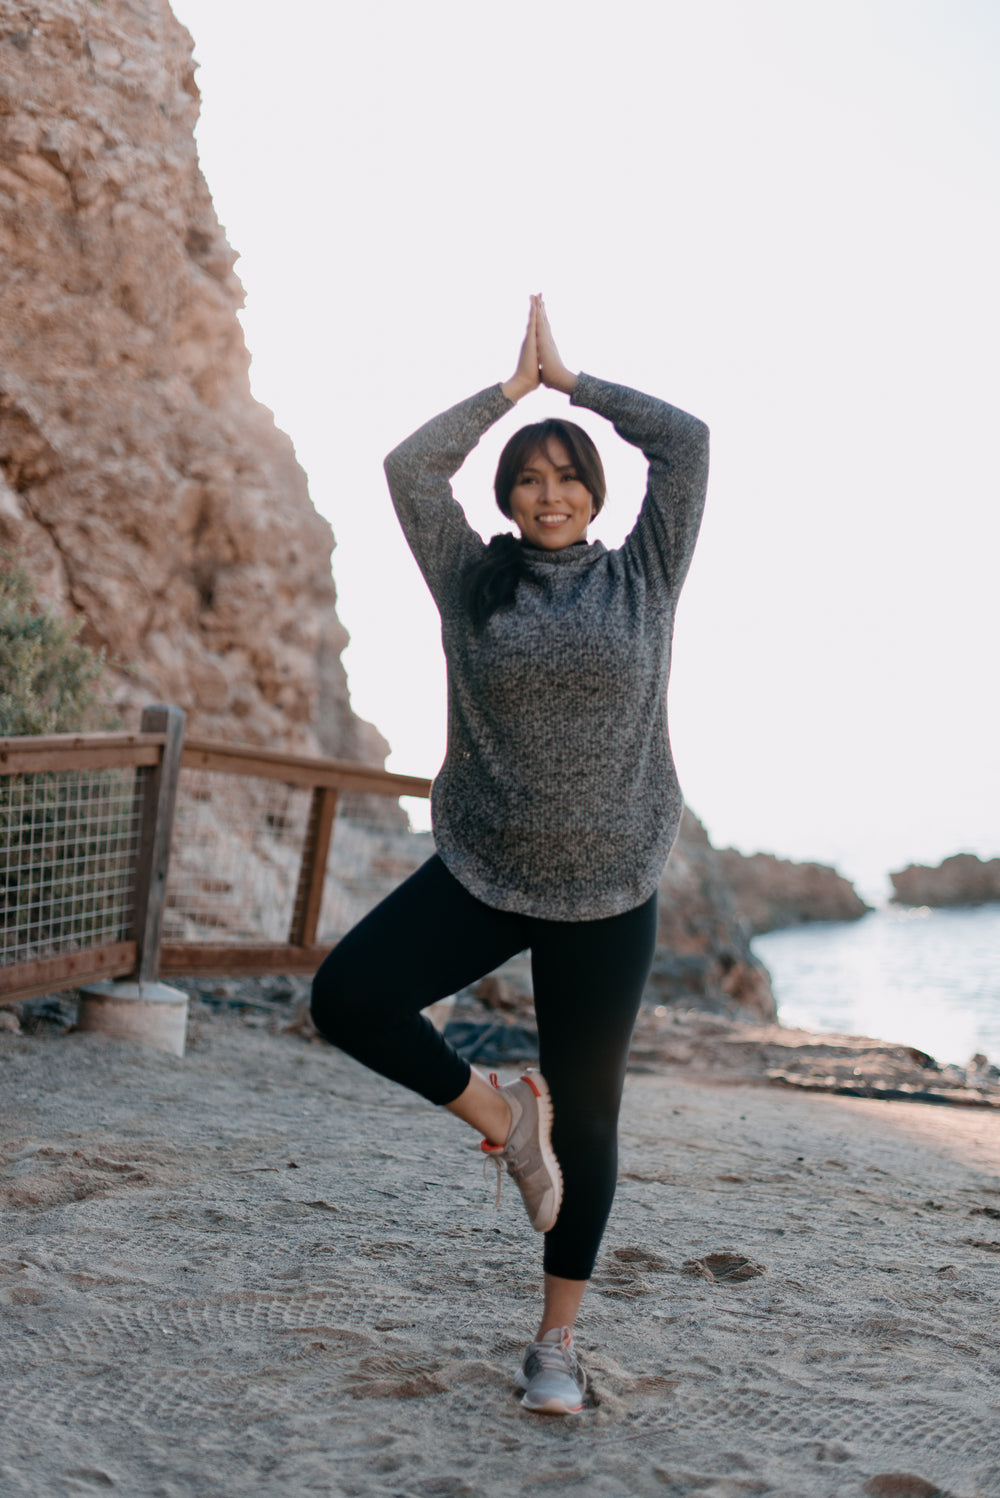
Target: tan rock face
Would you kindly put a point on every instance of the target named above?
(149, 491)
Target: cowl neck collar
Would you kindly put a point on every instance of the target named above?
(580, 554)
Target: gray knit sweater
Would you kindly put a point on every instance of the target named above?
(558, 795)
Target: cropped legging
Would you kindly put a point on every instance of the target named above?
(429, 939)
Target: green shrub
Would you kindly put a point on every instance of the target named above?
(66, 839)
(49, 683)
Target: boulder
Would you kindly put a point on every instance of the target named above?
(703, 955)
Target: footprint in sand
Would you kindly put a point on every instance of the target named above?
(409, 1375)
(615, 1390)
(724, 1268)
(901, 1485)
(641, 1256)
(623, 1272)
(48, 1177)
(91, 1478)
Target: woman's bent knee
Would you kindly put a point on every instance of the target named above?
(339, 1005)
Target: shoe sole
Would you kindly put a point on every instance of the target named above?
(540, 1087)
(552, 1407)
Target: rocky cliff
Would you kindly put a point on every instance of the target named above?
(149, 493)
(962, 879)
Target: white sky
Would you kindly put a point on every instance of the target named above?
(782, 216)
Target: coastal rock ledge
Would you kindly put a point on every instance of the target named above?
(770, 893)
(962, 879)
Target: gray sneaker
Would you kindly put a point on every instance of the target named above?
(551, 1377)
(528, 1153)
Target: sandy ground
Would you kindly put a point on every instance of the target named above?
(262, 1271)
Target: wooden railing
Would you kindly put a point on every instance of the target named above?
(326, 780)
(86, 823)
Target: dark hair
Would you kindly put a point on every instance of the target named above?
(490, 583)
(530, 440)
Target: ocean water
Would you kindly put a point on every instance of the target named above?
(927, 978)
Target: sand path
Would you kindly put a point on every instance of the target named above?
(261, 1271)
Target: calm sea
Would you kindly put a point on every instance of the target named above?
(928, 978)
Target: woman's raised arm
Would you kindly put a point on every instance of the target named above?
(675, 445)
(420, 469)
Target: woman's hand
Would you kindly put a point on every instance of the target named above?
(526, 376)
(553, 371)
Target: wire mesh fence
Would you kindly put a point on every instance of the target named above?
(68, 848)
(367, 861)
(136, 854)
(236, 858)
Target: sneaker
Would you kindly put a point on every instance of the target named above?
(552, 1379)
(528, 1153)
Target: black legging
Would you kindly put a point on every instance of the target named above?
(429, 939)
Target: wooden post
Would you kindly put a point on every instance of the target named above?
(312, 870)
(156, 790)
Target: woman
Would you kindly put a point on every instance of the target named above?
(554, 811)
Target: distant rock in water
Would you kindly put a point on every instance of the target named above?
(149, 493)
(770, 893)
(962, 879)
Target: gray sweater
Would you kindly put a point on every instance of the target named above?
(558, 796)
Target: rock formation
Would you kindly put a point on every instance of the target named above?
(147, 490)
(962, 879)
(703, 951)
(770, 892)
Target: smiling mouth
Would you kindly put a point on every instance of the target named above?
(552, 520)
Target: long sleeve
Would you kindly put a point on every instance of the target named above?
(419, 472)
(676, 446)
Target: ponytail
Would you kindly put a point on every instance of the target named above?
(490, 584)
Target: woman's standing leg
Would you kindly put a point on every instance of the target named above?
(589, 978)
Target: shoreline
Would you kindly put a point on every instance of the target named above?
(262, 1269)
(668, 1039)
(926, 975)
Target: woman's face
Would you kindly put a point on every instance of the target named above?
(548, 503)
